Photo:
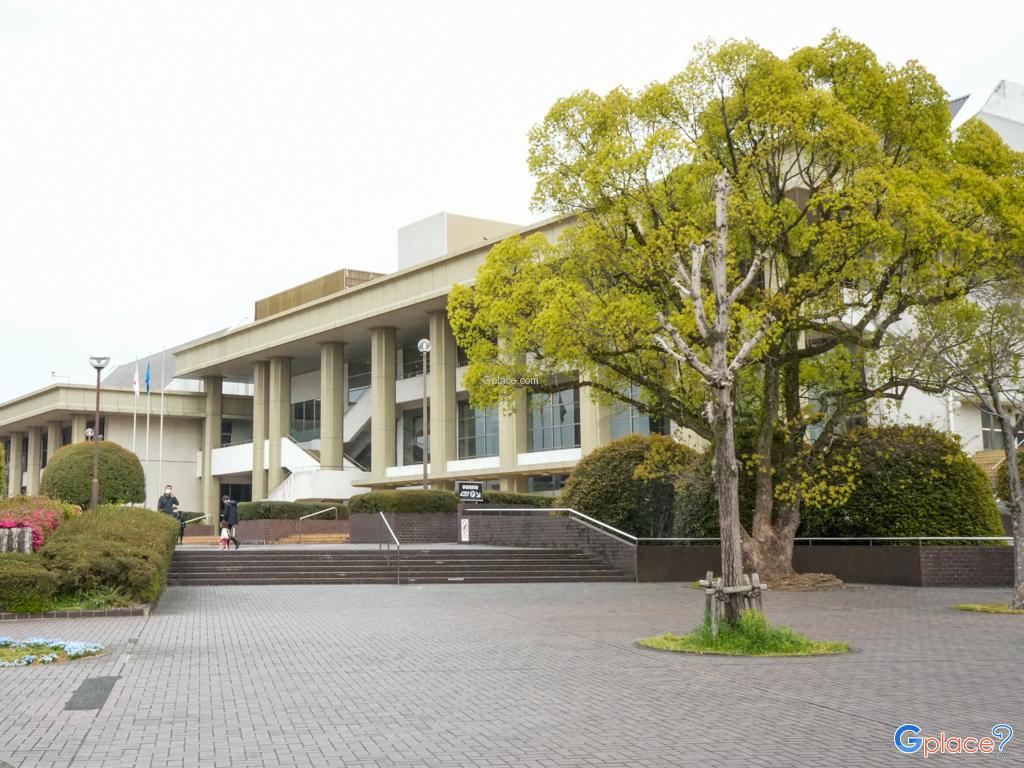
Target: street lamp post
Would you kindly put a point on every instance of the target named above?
(424, 347)
(99, 363)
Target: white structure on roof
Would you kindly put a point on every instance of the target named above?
(1002, 109)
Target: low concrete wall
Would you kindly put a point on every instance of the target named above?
(256, 531)
(912, 566)
(409, 527)
(543, 529)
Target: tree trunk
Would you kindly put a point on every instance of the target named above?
(727, 484)
(1016, 497)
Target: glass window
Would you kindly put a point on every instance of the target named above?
(306, 420)
(412, 436)
(65, 435)
(358, 379)
(991, 432)
(478, 431)
(412, 362)
(225, 432)
(554, 420)
(103, 425)
(545, 483)
(627, 419)
(461, 357)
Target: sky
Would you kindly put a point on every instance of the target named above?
(165, 164)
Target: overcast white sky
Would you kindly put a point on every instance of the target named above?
(164, 164)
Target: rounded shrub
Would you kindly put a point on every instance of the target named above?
(911, 481)
(605, 485)
(403, 501)
(68, 475)
(288, 510)
(26, 585)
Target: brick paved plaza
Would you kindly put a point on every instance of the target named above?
(509, 675)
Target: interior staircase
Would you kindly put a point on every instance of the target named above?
(360, 566)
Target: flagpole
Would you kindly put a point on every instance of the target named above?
(160, 450)
(149, 412)
(135, 405)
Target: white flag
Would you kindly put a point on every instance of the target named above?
(135, 381)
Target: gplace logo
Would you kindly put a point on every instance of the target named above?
(909, 741)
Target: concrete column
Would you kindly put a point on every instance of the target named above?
(595, 421)
(260, 425)
(15, 465)
(214, 387)
(441, 389)
(512, 441)
(53, 433)
(78, 427)
(279, 419)
(35, 460)
(333, 399)
(382, 392)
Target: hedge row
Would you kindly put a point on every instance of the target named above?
(909, 481)
(437, 501)
(288, 510)
(68, 474)
(1003, 477)
(105, 548)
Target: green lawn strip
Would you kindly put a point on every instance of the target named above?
(989, 608)
(752, 636)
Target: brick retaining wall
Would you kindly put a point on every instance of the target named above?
(966, 566)
(409, 527)
(255, 531)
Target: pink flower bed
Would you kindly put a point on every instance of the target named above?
(43, 522)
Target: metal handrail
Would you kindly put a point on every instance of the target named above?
(314, 514)
(398, 548)
(193, 519)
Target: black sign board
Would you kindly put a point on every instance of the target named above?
(469, 491)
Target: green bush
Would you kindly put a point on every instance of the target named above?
(25, 584)
(1003, 477)
(604, 485)
(912, 481)
(113, 547)
(404, 501)
(509, 499)
(68, 475)
(287, 510)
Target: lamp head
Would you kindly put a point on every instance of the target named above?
(99, 363)
(423, 346)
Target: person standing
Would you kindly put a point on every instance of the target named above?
(229, 517)
(168, 503)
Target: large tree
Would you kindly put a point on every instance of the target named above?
(845, 209)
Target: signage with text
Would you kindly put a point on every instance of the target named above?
(469, 491)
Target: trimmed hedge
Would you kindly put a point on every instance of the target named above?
(25, 584)
(113, 547)
(604, 485)
(403, 501)
(510, 499)
(911, 481)
(1003, 477)
(68, 475)
(287, 510)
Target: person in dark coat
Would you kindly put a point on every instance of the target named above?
(229, 517)
(168, 503)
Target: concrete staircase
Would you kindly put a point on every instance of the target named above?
(989, 461)
(419, 566)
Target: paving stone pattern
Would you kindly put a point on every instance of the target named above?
(533, 676)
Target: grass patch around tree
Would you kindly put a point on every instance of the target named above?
(989, 608)
(752, 636)
(38, 650)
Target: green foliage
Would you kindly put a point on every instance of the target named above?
(4, 472)
(611, 485)
(404, 501)
(68, 475)
(912, 481)
(1003, 477)
(288, 510)
(507, 498)
(1003, 608)
(34, 503)
(25, 584)
(752, 635)
(113, 547)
